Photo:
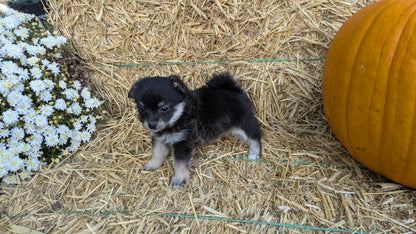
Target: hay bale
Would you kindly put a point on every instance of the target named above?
(305, 178)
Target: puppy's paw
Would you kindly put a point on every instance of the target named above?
(255, 149)
(178, 182)
(151, 165)
(253, 156)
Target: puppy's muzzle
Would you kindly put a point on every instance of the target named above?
(152, 125)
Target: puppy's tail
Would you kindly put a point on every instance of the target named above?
(224, 81)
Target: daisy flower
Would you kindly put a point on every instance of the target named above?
(25, 174)
(10, 179)
(32, 164)
(37, 85)
(53, 67)
(85, 93)
(92, 103)
(23, 33)
(45, 96)
(60, 104)
(13, 51)
(17, 133)
(10, 116)
(32, 61)
(14, 164)
(52, 140)
(36, 72)
(62, 84)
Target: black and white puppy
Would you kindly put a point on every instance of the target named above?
(179, 118)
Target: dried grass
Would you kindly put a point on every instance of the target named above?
(328, 189)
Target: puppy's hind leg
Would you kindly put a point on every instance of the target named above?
(159, 152)
(182, 154)
(251, 134)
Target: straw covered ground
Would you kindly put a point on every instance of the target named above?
(305, 182)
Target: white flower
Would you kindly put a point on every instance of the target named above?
(63, 130)
(10, 22)
(30, 116)
(13, 51)
(77, 85)
(62, 84)
(54, 68)
(52, 140)
(46, 110)
(45, 62)
(32, 164)
(24, 74)
(30, 128)
(10, 116)
(14, 98)
(61, 40)
(36, 141)
(9, 67)
(10, 179)
(5, 156)
(24, 105)
(41, 121)
(35, 50)
(92, 103)
(71, 94)
(25, 174)
(23, 33)
(4, 133)
(45, 96)
(32, 61)
(60, 104)
(49, 42)
(25, 147)
(37, 85)
(63, 139)
(85, 93)
(75, 108)
(14, 163)
(36, 72)
(17, 133)
(49, 84)
(91, 127)
(77, 127)
(75, 144)
(5, 86)
(85, 136)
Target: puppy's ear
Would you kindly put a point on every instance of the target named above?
(178, 84)
(134, 89)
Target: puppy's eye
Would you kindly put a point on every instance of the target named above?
(164, 108)
(141, 108)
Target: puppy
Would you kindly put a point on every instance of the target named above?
(179, 118)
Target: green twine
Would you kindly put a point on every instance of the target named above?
(213, 218)
(269, 161)
(216, 62)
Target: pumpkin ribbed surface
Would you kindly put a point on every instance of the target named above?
(369, 88)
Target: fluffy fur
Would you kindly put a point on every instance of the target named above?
(179, 118)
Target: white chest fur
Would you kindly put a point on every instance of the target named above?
(171, 138)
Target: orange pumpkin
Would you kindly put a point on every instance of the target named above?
(369, 88)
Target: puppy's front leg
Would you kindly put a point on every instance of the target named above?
(159, 152)
(182, 154)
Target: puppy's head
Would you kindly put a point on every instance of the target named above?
(160, 101)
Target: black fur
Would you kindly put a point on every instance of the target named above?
(208, 113)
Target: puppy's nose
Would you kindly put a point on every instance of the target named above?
(152, 125)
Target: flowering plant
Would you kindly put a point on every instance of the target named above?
(44, 114)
